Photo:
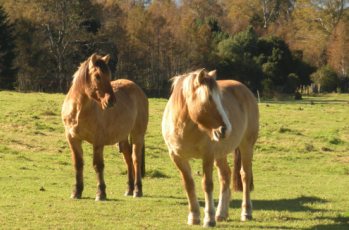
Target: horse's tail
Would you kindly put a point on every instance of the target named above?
(237, 180)
(143, 161)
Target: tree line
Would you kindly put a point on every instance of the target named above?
(273, 46)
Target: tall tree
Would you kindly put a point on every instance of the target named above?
(314, 22)
(7, 52)
(338, 51)
(259, 13)
(200, 23)
(67, 25)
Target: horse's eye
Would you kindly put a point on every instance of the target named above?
(98, 77)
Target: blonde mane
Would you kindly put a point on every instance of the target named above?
(80, 76)
(183, 87)
(178, 100)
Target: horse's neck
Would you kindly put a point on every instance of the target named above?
(80, 98)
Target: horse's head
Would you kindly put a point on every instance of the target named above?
(205, 105)
(98, 81)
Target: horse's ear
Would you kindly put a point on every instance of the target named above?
(213, 74)
(106, 58)
(200, 77)
(93, 60)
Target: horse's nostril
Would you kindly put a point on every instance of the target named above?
(110, 103)
(222, 130)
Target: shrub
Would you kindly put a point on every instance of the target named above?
(326, 79)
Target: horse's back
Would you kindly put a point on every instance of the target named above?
(135, 95)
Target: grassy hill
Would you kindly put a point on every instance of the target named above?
(301, 171)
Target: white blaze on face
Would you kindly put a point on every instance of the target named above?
(202, 93)
(217, 100)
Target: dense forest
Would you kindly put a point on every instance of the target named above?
(273, 46)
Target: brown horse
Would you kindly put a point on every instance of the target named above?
(209, 119)
(105, 113)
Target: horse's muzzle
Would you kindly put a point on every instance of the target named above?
(108, 102)
(219, 133)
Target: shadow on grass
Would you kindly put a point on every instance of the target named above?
(93, 199)
(339, 223)
(298, 204)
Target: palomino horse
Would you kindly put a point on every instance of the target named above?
(105, 113)
(209, 119)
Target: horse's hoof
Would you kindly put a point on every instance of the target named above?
(101, 197)
(128, 193)
(221, 218)
(193, 221)
(75, 196)
(209, 224)
(137, 194)
(246, 217)
(98, 198)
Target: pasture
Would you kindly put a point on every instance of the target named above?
(301, 171)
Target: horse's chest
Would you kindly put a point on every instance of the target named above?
(194, 143)
(83, 129)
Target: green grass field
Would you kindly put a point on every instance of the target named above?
(301, 171)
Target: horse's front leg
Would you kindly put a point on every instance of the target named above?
(98, 165)
(189, 185)
(224, 174)
(207, 184)
(78, 163)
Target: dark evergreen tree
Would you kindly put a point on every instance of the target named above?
(7, 52)
(262, 63)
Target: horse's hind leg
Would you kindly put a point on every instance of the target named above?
(78, 163)
(185, 170)
(98, 165)
(224, 175)
(247, 180)
(126, 150)
(137, 147)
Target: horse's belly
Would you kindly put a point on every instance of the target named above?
(115, 137)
